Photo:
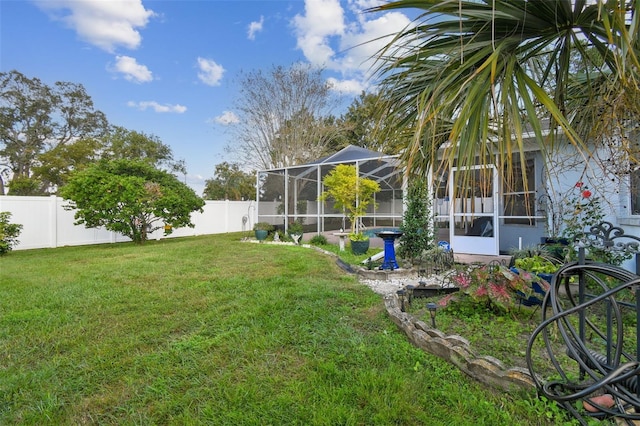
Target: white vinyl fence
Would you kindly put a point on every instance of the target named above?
(45, 222)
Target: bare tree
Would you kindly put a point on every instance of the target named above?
(284, 117)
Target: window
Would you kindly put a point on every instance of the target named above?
(518, 199)
(635, 192)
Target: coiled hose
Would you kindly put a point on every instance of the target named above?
(583, 371)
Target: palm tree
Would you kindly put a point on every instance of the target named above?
(468, 78)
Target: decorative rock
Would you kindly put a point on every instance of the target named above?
(460, 356)
(457, 350)
(458, 340)
(494, 361)
(520, 377)
(485, 371)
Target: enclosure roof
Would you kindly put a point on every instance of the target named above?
(380, 167)
(349, 154)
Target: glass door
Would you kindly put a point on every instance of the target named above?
(473, 224)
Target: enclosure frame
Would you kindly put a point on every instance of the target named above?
(301, 185)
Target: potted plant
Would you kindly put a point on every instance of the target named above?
(262, 229)
(352, 194)
(359, 243)
(537, 259)
(295, 231)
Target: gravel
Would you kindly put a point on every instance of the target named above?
(390, 286)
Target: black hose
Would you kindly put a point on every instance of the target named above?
(615, 373)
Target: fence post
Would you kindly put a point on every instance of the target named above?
(53, 221)
(226, 215)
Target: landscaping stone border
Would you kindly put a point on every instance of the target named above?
(457, 350)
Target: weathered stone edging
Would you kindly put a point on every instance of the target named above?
(457, 350)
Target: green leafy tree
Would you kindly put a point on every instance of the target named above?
(466, 85)
(230, 183)
(364, 124)
(9, 233)
(416, 227)
(350, 192)
(121, 143)
(130, 197)
(58, 164)
(36, 119)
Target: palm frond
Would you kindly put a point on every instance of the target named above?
(469, 76)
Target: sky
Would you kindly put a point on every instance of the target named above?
(170, 68)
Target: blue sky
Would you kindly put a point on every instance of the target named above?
(170, 68)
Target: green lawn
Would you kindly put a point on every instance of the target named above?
(211, 330)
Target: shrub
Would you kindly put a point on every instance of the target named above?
(319, 240)
(353, 236)
(536, 264)
(295, 228)
(263, 226)
(493, 288)
(8, 233)
(416, 223)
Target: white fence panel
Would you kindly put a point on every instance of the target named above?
(68, 234)
(36, 215)
(45, 222)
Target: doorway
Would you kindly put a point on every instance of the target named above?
(473, 214)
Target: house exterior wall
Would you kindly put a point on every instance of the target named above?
(555, 177)
(568, 168)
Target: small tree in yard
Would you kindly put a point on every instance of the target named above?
(130, 197)
(416, 223)
(8, 233)
(350, 192)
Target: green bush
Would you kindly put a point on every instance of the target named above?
(8, 233)
(295, 228)
(417, 235)
(536, 264)
(263, 226)
(319, 240)
(494, 289)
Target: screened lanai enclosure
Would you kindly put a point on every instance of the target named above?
(290, 194)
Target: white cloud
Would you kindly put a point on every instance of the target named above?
(144, 105)
(345, 40)
(226, 118)
(323, 19)
(255, 27)
(105, 24)
(365, 40)
(132, 70)
(350, 87)
(210, 72)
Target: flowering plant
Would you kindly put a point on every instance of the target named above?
(583, 211)
(494, 287)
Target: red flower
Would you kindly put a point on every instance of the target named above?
(586, 193)
(579, 184)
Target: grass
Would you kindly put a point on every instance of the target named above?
(211, 330)
(504, 337)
